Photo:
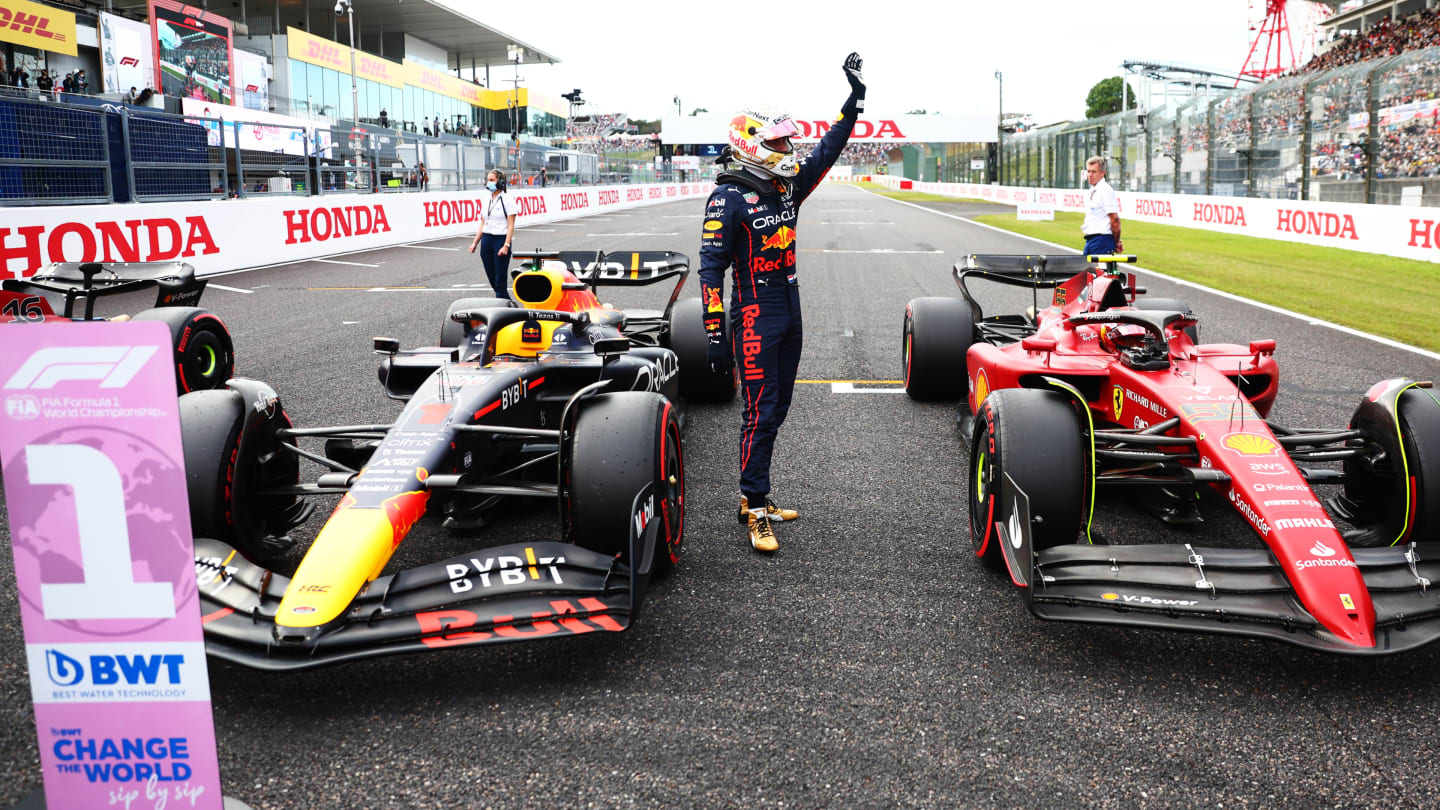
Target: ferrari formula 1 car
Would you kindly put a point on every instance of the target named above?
(1104, 389)
(204, 354)
(557, 399)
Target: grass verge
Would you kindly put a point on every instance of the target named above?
(911, 196)
(1382, 295)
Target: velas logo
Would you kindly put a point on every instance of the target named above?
(133, 240)
(114, 366)
(322, 224)
(1316, 223)
(129, 61)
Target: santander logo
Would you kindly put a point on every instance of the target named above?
(1322, 550)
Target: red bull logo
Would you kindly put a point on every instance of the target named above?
(712, 300)
(403, 510)
(783, 238)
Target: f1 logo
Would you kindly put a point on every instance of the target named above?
(129, 61)
(114, 366)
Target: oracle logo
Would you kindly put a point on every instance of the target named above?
(134, 240)
(1316, 224)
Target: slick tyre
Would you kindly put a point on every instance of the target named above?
(937, 334)
(688, 340)
(1170, 305)
(451, 333)
(218, 479)
(621, 442)
(1391, 509)
(1036, 438)
(204, 355)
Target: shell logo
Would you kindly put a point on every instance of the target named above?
(1250, 444)
(982, 387)
(1110, 597)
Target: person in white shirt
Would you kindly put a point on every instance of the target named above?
(1102, 213)
(497, 228)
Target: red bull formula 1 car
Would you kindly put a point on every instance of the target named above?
(204, 353)
(1104, 389)
(560, 399)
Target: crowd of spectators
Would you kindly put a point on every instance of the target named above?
(859, 155)
(1385, 38)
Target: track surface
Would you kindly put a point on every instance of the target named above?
(870, 663)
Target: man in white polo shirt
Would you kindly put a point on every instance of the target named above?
(1102, 213)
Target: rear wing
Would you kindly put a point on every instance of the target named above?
(63, 284)
(620, 268)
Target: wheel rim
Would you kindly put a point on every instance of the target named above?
(205, 362)
(672, 480)
(980, 511)
(908, 349)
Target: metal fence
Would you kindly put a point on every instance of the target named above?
(51, 154)
(1368, 132)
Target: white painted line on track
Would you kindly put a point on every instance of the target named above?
(213, 286)
(536, 230)
(428, 247)
(849, 388)
(352, 264)
(682, 216)
(632, 234)
(450, 290)
(348, 323)
(872, 251)
(857, 223)
(1310, 319)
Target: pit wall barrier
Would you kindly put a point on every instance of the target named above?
(221, 235)
(1408, 232)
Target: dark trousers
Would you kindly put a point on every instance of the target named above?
(1099, 244)
(767, 334)
(497, 267)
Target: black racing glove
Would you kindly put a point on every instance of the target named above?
(717, 352)
(857, 81)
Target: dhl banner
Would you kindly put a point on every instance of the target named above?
(37, 26)
(320, 51)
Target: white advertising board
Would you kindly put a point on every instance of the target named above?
(220, 235)
(263, 131)
(125, 54)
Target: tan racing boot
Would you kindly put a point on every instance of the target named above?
(771, 509)
(762, 536)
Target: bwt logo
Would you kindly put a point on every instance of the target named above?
(111, 670)
(129, 61)
(114, 366)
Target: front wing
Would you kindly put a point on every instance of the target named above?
(499, 594)
(1217, 590)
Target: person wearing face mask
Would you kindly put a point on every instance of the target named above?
(750, 223)
(497, 229)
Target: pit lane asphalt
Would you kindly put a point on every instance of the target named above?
(870, 663)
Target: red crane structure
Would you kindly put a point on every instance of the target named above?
(1274, 30)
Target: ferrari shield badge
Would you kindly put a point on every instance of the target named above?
(1117, 399)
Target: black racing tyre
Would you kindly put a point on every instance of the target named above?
(1379, 496)
(1170, 305)
(210, 427)
(686, 337)
(1036, 438)
(204, 354)
(938, 332)
(623, 441)
(451, 333)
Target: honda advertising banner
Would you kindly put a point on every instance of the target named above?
(125, 54)
(1408, 232)
(220, 235)
(871, 128)
(105, 567)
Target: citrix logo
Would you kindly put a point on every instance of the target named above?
(114, 366)
(109, 670)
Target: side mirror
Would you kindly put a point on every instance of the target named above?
(618, 345)
(386, 345)
(1259, 347)
(1038, 344)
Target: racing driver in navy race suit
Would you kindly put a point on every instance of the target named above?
(750, 223)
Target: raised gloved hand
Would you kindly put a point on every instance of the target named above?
(852, 73)
(717, 352)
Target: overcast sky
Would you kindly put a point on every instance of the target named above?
(636, 57)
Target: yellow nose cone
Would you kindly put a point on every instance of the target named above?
(351, 550)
